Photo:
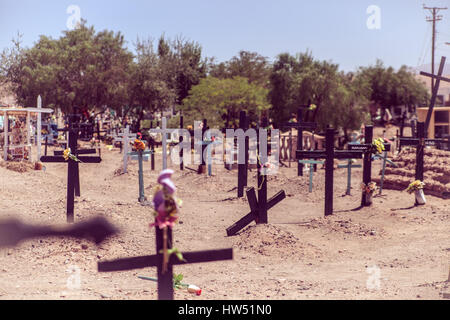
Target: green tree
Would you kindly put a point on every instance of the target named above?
(390, 88)
(82, 68)
(220, 100)
(297, 81)
(250, 65)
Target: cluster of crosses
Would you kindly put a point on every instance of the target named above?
(13, 231)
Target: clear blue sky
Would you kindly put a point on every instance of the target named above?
(331, 29)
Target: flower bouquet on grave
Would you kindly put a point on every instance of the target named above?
(378, 146)
(138, 144)
(312, 107)
(417, 187)
(69, 155)
(368, 191)
(166, 209)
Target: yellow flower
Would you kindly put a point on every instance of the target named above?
(67, 154)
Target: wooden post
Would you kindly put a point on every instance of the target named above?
(262, 179)
(299, 142)
(241, 166)
(420, 150)
(329, 163)
(367, 163)
(181, 144)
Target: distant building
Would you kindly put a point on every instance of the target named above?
(440, 118)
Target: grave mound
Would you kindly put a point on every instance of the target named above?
(346, 226)
(436, 171)
(269, 240)
(21, 166)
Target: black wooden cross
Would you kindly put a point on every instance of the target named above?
(366, 148)
(329, 155)
(258, 208)
(299, 125)
(434, 94)
(165, 279)
(420, 142)
(243, 167)
(76, 152)
(254, 214)
(13, 231)
(72, 172)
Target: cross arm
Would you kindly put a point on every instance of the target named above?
(153, 260)
(315, 154)
(434, 76)
(58, 159)
(348, 154)
(79, 151)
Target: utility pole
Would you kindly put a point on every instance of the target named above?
(434, 11)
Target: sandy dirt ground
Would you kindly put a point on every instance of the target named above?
(391, 250)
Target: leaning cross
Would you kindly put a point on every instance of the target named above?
(125, 138)
(434, 94)
(165, 279)
(254, 210)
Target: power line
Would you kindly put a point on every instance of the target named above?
(434, 11)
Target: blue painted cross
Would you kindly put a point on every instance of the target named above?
(349, 167)
(385, 160)
(140, 155)
(311, 169)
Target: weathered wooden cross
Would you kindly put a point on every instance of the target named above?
(125, 138)
(299, 125)
(367, 148)
(165, 279)
(260, 206)
(242, 167)
(420, 142)
(434, 94)
(311, 170)
(255, 212)
(72, 172)
(329, 155)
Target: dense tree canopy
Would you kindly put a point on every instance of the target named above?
(302, 81)
(81, 69)
(220, 100)
(388, 88)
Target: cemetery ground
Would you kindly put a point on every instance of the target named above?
(299, 254)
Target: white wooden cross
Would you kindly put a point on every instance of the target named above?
(164, 131)
(125, 138)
